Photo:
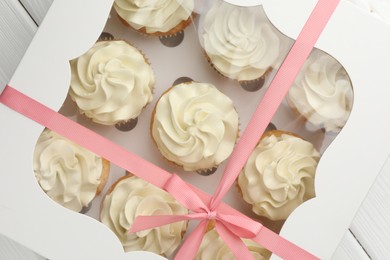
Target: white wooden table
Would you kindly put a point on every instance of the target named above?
(369, 234)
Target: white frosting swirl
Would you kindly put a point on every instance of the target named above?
(323, 93)
(214, 248)
(133, 197)
(154, 16)
(195, 126)
(239, 41)
(112, 82)
(68, 173)
(279, 175)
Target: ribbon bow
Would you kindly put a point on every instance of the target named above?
(230, 227)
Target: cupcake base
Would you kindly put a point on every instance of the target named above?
(180, 27)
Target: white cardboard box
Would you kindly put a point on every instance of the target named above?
(345, 173)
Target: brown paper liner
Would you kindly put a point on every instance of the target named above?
(241, 82)
(180, 27)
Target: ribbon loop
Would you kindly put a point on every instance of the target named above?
(183, 193)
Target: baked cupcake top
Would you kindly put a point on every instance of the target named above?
(214, 248)
(154, 16)
(279, 175)
(111, 82)
(239, 41)
(322, 93)
(195, 125)
(68, 173)
(131, 197)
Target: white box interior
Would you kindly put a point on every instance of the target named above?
(345, 173)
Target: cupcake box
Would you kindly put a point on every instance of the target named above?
(349, 164)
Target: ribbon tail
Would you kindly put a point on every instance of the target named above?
(148, 222)
(241, 226)
(236, 245)
(282, 247)
(191, 245)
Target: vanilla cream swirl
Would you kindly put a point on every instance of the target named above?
(214, 248)
(154, 16)
(68, 173)
(239, 41)
(323, 93)
(195, 126)
(279, 175)
(132, 197)
(112, 82)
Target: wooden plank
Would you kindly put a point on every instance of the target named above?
(37, 8)
(350, 249)
(12, 250)
(16, 32)
(372, 223)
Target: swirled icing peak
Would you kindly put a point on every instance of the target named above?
(322, 93)
(214, 248)
(68, 173)
(112, 82)
(132, 197)
(239, 41)
(154, 16)
(279, 175)
(195, 126)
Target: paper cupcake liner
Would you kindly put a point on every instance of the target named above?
(249, 85)
(180, 27)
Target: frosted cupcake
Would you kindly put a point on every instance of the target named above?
(111, 83)
(130, 197)
(322, 93)
(214, 248)
(159, 18)
(239, 41)
(279, 174)
(69, 174)
(194, 126)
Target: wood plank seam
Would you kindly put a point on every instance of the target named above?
(25, 9)
(360, 244)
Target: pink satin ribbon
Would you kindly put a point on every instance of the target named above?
(230, 224)
(253, 132)
(188, 195)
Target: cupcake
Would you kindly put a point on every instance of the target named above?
(159, 18)
(194, 126)
(111, 83)
(214, 248)
(131, 197)
(239, 42)
(279, 174)
(322, 93)
(69, 174)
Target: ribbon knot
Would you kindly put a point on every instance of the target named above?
(230, 227)
(211, 215)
